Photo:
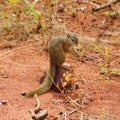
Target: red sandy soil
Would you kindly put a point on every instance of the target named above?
(21, 70)
(22, 67)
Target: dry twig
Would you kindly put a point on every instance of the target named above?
(40, 116)
(105, 5)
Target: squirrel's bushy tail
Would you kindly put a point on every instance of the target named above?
(46, 85)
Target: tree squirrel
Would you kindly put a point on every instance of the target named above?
(57, 52)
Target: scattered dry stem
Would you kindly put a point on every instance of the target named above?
(34, 111)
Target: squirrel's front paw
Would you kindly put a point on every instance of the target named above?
(66, 66)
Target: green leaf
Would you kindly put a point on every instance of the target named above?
(14, 1)
(32, 11)
(109, 13)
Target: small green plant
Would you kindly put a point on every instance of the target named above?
(105, 54)
(32, 11)
(106, 62)
(109, 13)
(105, 66)
(14, 1)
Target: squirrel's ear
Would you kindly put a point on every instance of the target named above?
(68, 35)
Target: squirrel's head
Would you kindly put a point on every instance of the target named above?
(70, 42)
(73, 37)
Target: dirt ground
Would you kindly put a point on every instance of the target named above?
(21, 68)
